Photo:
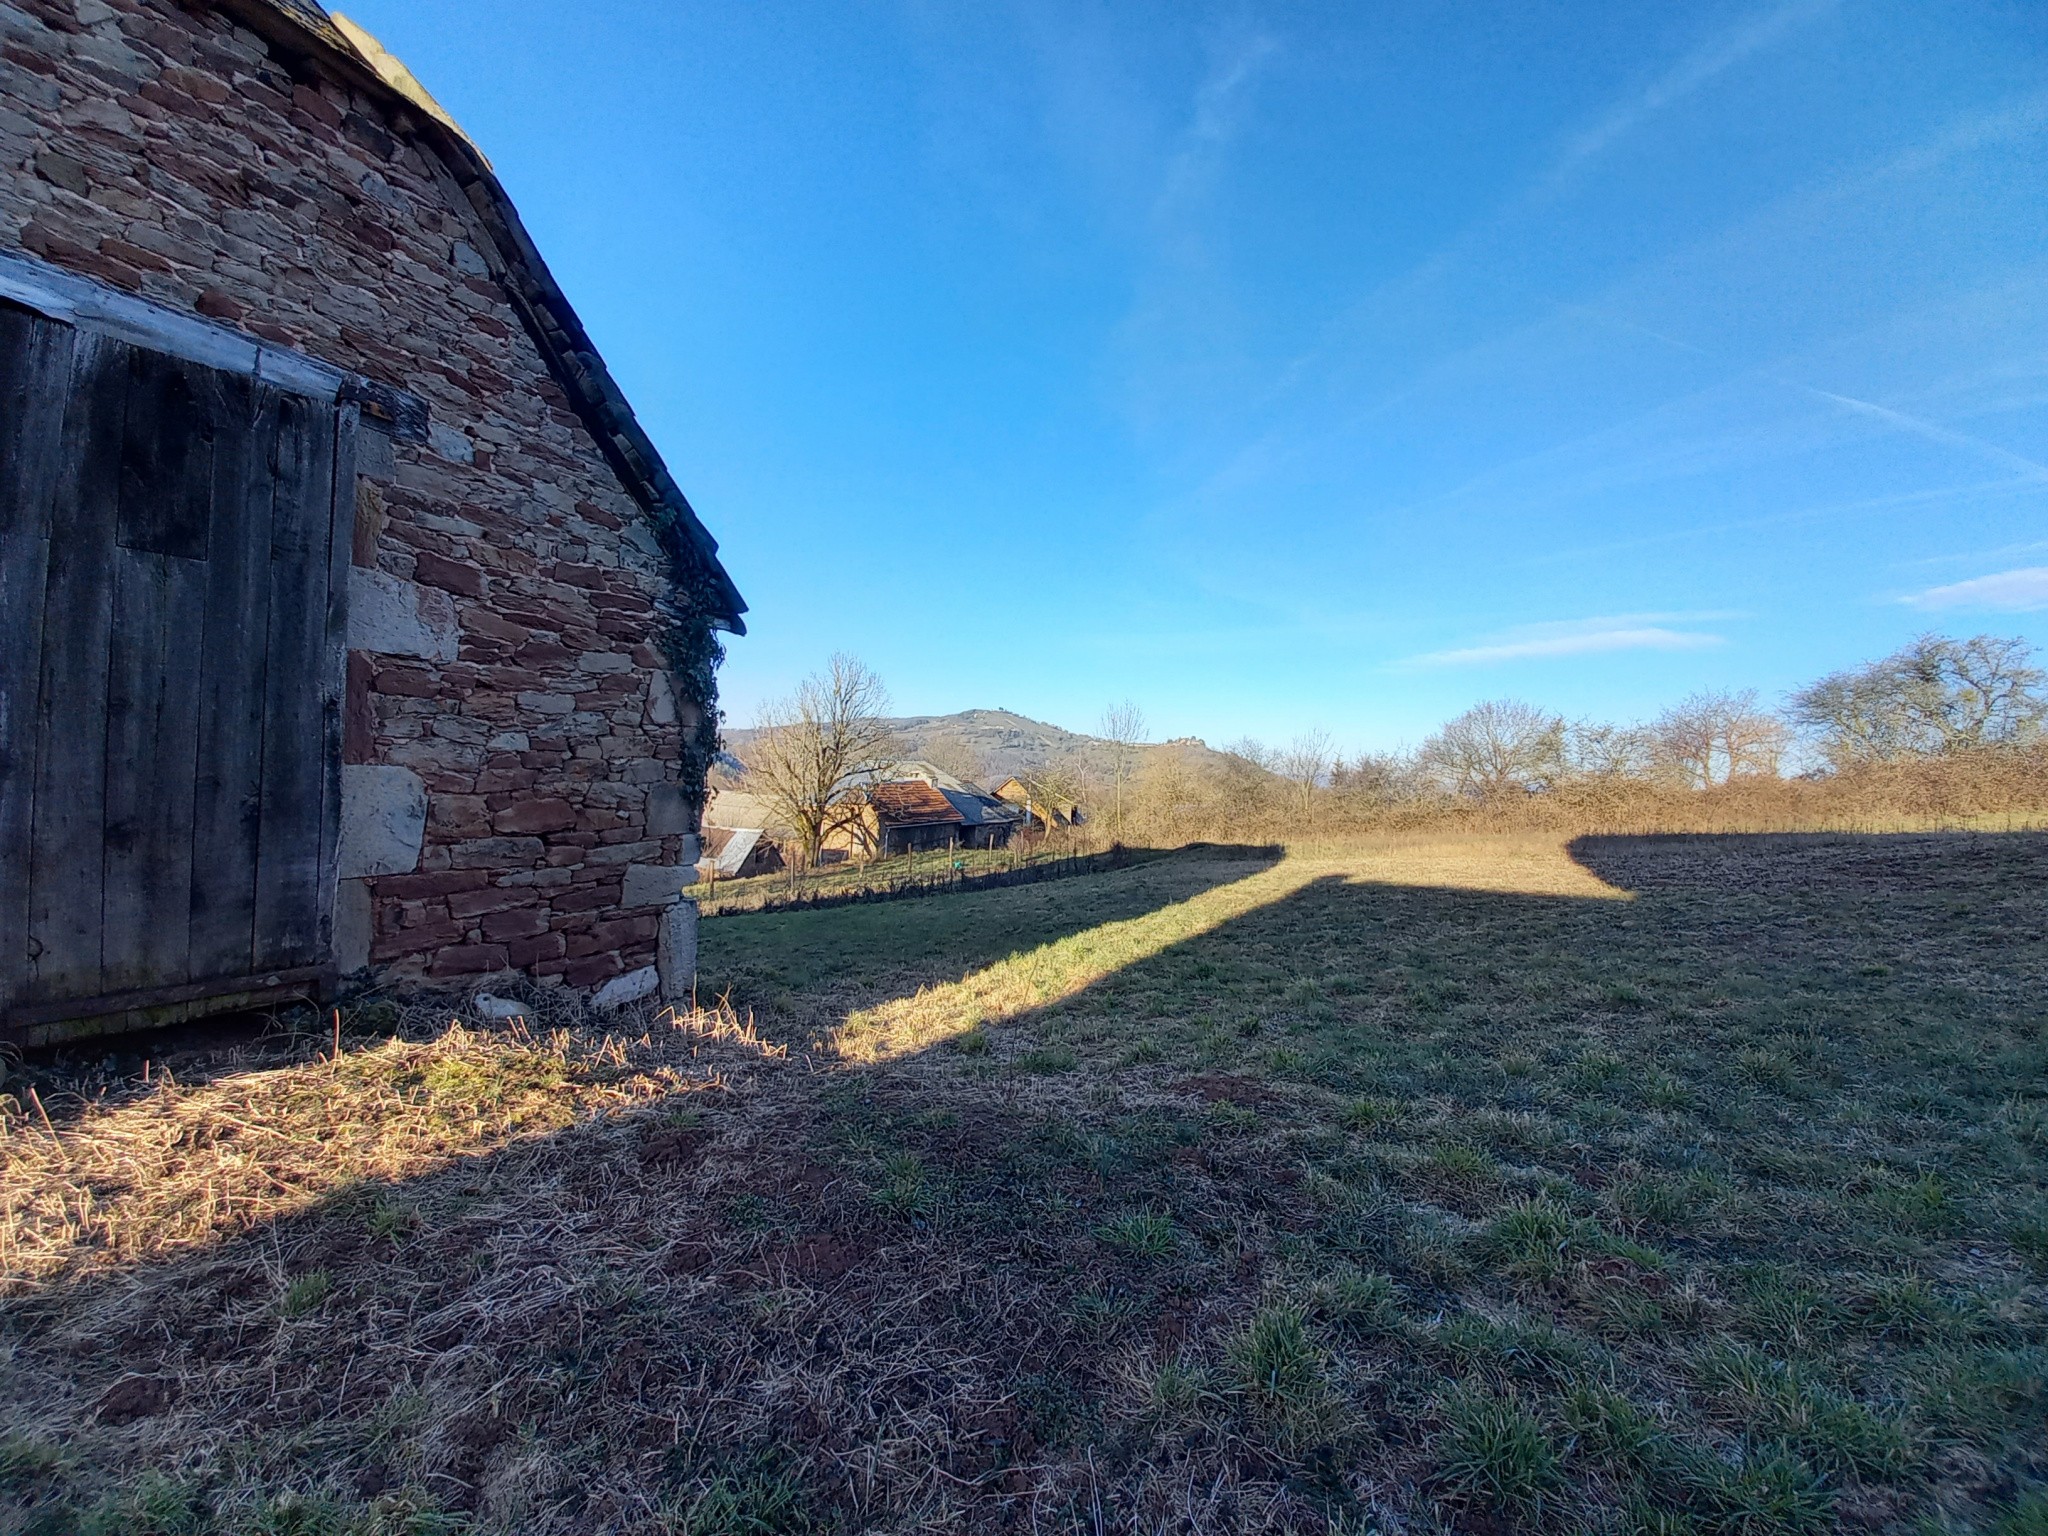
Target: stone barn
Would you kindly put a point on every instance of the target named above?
(350, 624)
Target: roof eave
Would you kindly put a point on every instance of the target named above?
(544, 309)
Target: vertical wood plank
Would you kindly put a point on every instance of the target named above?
(35, 378)
(294, 744)
(228, 788)
(65, 888)
(153, 675)
(341, 520)
(167, 455)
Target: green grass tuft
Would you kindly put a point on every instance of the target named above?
(1141, 1234)
(1494, 1453)
(306, 1292)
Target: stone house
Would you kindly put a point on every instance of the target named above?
(921, 807)
(1039, 810)
(352, 623)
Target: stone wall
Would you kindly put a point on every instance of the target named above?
(512, 787)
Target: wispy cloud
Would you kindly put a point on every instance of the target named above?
(2017, 591)
(1222, 101)
(1688, 75)
(1581, 637)
(1934, 432)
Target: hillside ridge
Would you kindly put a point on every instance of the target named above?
(989, 745)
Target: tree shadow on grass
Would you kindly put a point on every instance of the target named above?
(921, 1290)
(800, 972)
(805, 973)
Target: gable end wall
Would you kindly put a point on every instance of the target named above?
(502, 670)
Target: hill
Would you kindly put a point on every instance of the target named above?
(988, 745)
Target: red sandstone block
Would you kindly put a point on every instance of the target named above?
(536, 816)
(525, 952)
(220, 304)
(411, 941)
(443, 882)
(587, 898)
(588, 942)
(543, 653)
(449, 575)
(616, 933)
(498, 781)
(467, 960)
(358, 719)
(465, 905)
(533, 612)
(416, 914)
(309, 101)
(197, 83)
(134, 255)
(256, 91)
(590, 577)
(592, 970)
(66, 253)
(517, 923)
(406, 682)
(484, 622)
(513, 680)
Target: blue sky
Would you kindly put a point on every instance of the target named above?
(1307, 366)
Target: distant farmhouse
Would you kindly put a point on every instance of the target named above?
(349, 622)
(921, 807)
(918, 807)
(737, 853)
(741, 836)
(1048, 814)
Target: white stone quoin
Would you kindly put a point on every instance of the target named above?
(677, 957)
(394, 617)
(629, 988)
(383, 820)
(655, 885)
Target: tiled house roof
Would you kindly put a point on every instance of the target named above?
(912, 802)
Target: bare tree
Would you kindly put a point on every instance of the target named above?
(1497, 748)
(1054, 789)
(1717, 736)
(1123, 727)
(1936, 695)
(1376, 778)
(1252, 752)
(816, 747)
(1595, 749)
(1305, 763)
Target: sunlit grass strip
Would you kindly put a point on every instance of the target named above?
(1040, 977)
(1053, 971)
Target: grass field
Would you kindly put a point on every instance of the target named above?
(1485, 1184)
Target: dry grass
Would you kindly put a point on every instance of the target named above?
(1425, 1184)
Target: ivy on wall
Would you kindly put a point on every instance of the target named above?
(690, 648)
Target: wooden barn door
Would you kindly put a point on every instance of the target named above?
(173, 560)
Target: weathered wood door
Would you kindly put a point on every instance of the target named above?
(173, 559)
